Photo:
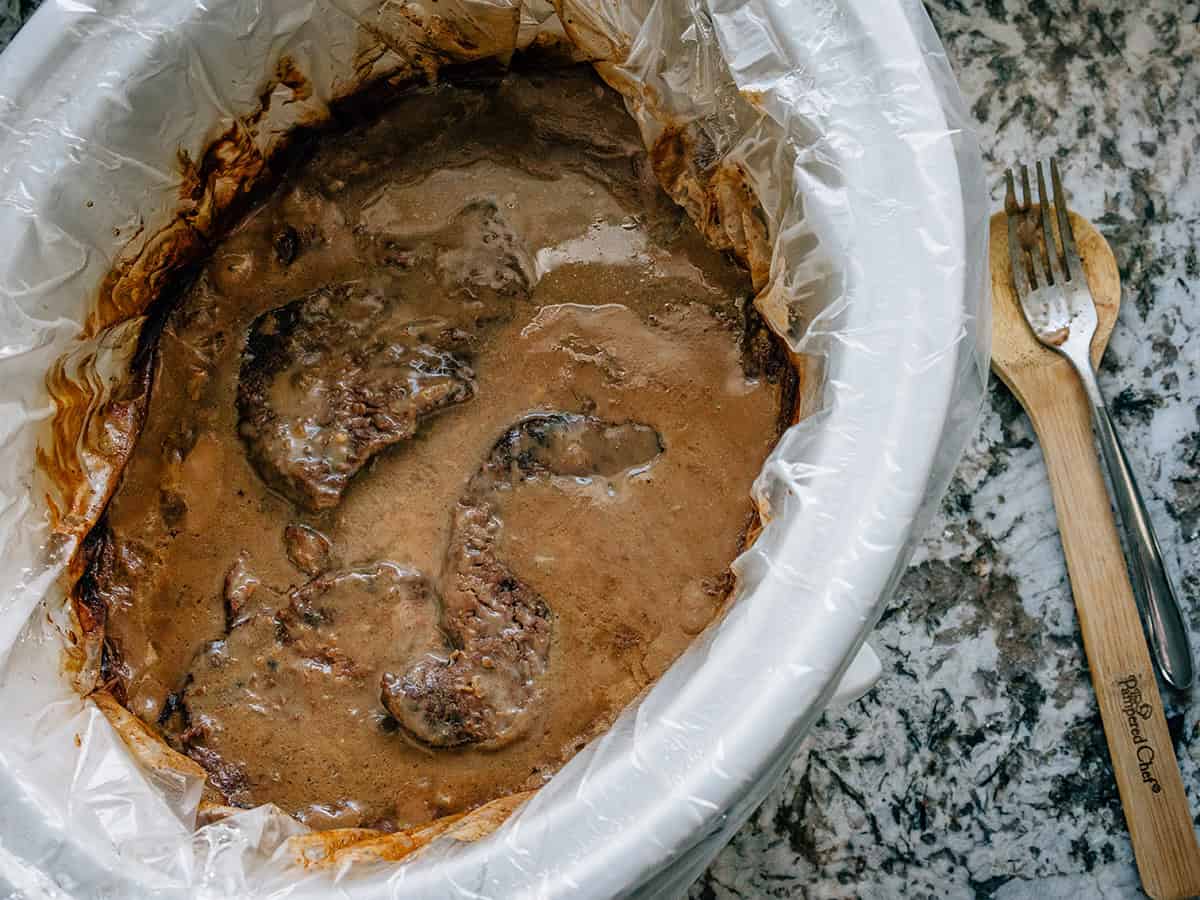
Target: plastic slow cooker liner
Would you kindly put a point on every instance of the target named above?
(822, 141)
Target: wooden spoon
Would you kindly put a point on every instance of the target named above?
(1147, 774)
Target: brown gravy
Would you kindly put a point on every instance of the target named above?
(521, 216)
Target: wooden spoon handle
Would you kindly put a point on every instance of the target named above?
(1147, 774)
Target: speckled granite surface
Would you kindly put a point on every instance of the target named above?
(977, 768)
(12, 14)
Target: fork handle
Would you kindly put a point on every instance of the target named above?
(1157, 602)
(1135, 726)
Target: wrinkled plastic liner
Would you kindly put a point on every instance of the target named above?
(737, 137)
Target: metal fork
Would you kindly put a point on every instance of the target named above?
(1059, 308)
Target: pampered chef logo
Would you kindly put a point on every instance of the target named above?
(1136, 711)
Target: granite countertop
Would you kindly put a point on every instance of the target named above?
(977, 767)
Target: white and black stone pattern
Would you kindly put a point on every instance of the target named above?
(977, 767)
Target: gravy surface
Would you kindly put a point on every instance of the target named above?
(256, 602)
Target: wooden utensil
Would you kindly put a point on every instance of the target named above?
(1061, 312)
(1147, 774)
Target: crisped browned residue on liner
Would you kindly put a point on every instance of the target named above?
(443, 36)
(325, 849)
(228, 171)
(409, 63)
(554, 49)
(134, 282)
(717, 195)
(481, 822)
(736, 212)
(422, 45)
(578, 21)
(209, 190)
(757, 99)
(59, 460)
(90, 610)
(288, 74)
(144, 744)
(88, 444)
(211, 811)
(313, 852)
(317, 849)
(343, 846)
(683, 157)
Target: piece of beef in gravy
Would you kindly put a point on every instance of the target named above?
(316, 658)
(331, 379)
(498, 626)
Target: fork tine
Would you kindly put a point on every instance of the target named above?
(1035, 260)
(1015, 256)
(1038, 276)
(1070, 254)
(1051, 250)
(1026, 194)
